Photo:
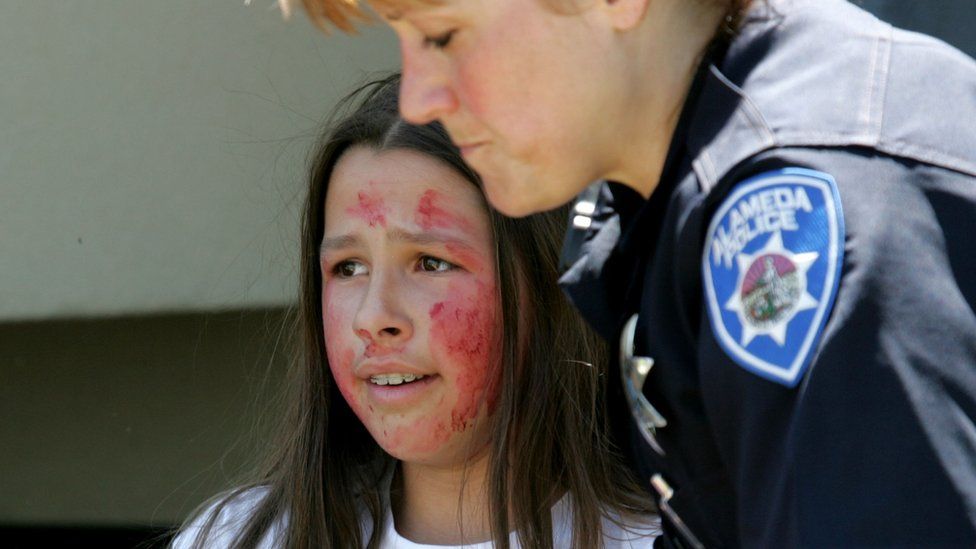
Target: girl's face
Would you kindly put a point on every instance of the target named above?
(409, 303)
(532, 97)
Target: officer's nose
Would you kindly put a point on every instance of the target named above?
(426, 92)
(382, 318)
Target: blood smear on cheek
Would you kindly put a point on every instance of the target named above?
(340, 355)
(465, 331)
(340, 364)
(370, 209)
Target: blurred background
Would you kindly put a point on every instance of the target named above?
(151, 175)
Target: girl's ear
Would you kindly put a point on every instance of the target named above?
(626, 14)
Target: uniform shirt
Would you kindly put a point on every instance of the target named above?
(866, 437)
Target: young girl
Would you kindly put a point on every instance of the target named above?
(449, 395)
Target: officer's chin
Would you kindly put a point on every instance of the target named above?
(523, 198)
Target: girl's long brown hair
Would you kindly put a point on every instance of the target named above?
(549, 432)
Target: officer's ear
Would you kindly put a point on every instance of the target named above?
(626, 14)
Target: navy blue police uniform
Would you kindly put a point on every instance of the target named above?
(802, 362)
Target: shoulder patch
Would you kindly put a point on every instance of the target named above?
(771, 266)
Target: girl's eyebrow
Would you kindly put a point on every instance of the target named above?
(422, 238)
(339, 242)
(396, 235)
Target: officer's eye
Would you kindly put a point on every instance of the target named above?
(432, 264)
(439, 42)
(348, 269)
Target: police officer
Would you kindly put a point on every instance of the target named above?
(783, 246)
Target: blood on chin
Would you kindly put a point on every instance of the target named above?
(413, 442)
(432, 443)
(432, 434)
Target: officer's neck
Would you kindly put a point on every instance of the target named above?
(667, 49)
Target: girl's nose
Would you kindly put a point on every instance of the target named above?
(382, 319)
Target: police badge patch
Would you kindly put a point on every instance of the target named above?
(771, 266)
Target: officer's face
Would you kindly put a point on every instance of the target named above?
(526, 92)
(408, 289)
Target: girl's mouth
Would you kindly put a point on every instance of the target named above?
(395, 389)
(394, 379)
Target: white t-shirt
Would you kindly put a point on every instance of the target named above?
(637, 536)
(234, 515)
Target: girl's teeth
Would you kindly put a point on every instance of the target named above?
(394, 379)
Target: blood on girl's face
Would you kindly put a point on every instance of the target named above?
(409, 290)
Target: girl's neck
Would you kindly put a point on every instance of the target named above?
(442, 505)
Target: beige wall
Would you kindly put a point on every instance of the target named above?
(151, 152)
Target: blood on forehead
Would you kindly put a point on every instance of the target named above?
(431, 214)
(370, 208)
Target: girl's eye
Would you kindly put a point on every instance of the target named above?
(439, 42)
(435, 265)
(348, 269)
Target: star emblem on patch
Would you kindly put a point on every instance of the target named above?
(771, 267)
(771, 290)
